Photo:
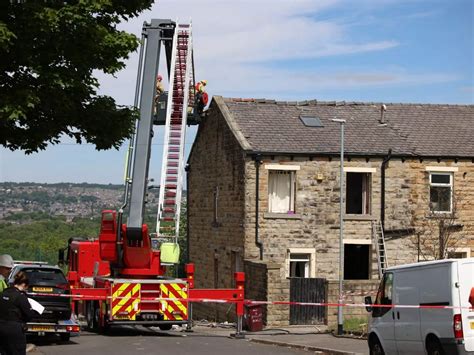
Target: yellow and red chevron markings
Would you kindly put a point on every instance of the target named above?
(174, 310)
(125, 300)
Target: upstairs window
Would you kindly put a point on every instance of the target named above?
(281, 191)
(441, 192)
(358, 186)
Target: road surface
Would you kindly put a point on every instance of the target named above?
(138, 340)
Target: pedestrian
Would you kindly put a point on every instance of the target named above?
(6, 264)
(15, 311)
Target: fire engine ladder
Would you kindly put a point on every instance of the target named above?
(379, 240)
(172, 170)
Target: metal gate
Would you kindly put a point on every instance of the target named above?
(307, 290)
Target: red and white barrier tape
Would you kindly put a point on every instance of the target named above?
(253, 302)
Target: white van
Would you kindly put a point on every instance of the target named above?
(418, 330)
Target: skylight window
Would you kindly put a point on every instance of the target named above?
(311, 121)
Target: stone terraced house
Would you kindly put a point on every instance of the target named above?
(263, 185)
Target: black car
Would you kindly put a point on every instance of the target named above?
(49, 282)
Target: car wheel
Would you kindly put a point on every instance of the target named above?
(434, 347)
(375, 346)
(65, 336)
(165, 326)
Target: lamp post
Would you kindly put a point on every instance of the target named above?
(340, 320)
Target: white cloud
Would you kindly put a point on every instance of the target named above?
(233, 39)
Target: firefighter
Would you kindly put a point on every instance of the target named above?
(159, 90)
(201, 96)
(159, 86)
(15, 311)
(200, 86)
(6, 264)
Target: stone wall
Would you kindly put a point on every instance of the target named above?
(256, 283)
(354, 291)
(216, 234)
(223, 239)
(315, 224)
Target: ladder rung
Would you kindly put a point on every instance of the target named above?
(172, 171)
(170, 202)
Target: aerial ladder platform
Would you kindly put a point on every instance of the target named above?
(121, 278)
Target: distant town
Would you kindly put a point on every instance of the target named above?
(18, 200)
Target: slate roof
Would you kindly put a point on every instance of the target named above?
(268, 126)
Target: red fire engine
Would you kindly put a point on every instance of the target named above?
(120, 278)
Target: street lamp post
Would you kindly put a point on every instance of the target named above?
(340, 320)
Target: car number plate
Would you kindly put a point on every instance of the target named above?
(43, 289)
(472, 325)
(41, 328)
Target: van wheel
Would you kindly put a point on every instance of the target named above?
(375, 346)
(434, 347)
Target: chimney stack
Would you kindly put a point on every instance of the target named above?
(383, 108)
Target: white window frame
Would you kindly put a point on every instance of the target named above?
(291, 170)
(466, 251)
(450, 185)
(311, 264)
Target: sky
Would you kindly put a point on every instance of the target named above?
(415, 51)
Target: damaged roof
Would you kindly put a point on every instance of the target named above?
(272, 127)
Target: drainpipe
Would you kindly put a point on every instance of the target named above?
(382, 193)
(187, 168)
(258, 243)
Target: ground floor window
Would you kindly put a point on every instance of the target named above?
(300, 265)
(459, 253)
(356, 261)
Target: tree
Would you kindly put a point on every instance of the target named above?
(49, 51)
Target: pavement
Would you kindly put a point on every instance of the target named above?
(311, 338)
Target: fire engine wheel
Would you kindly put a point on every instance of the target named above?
(91, 316)
(102, 326)
(165, 326)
